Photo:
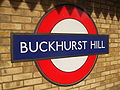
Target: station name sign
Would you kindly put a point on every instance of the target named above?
(64, 46)
(49, 46)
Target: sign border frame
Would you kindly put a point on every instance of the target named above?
(57, 6)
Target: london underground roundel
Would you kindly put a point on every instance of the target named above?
(70, 70)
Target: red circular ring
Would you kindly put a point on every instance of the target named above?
(46, 67)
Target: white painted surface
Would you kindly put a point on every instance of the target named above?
(74, 27)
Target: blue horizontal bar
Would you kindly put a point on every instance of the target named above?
(27, 47)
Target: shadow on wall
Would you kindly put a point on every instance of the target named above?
(111, 7)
